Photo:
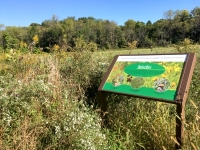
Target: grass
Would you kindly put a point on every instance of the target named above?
(49, 101)
(138, 51)
(156, 50)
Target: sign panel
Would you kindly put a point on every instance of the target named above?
(151, 76)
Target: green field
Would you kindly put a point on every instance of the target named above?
(49, 101)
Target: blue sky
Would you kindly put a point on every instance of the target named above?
(25, 12)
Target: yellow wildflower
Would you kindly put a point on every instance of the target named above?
(56, 47)
(177, 69)
(25, 45)
(36, 38)
(21, 44)
(163, 75)
(155, 78)
(169, 69)
(173, 84)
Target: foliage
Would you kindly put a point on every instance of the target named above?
(81, 45)
(83, 74)
(49, 101)
(104, 34)
(22, 44)
(56, 47)
(186, 46)
(92, 46)
(36, 112)
(35, 39)
(132, 45)
(9, 42)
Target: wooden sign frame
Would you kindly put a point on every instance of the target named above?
(179, 99)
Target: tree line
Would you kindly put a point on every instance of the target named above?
(83, 32)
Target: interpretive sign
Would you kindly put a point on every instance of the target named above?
(161, 77)
(153, 76)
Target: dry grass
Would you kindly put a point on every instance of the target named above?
(50, 83)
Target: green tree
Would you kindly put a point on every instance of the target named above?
(2, 28)
(141, 33)
(169, 15)
(195, 24)
(149, 38)
(9, 42)
(120, 37)
(195, 12)
(106, 34)
(68, 32)
(129, 30)
(180, 25)
(80, 44)
(160, 32)
(51, 36)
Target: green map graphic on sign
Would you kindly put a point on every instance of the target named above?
(155, 76)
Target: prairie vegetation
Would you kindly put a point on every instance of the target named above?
(49, 101)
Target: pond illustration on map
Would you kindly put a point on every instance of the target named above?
(149, 79)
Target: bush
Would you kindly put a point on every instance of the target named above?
(83, 74)
(36, 112)
(186, 46)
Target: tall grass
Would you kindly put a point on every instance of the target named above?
(49, 102)
(38, 110)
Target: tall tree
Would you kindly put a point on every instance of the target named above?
(140, 29)
(195, 24)
(180, 25)
(160, 32)
(2, 28)
(169, 15)
(129, 30)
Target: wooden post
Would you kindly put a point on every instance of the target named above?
(182, 97)
(103, 105)
(102, 101)
(180, 118)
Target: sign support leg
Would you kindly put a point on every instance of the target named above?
(180, 125)
(103, 105)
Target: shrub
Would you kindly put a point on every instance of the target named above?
(83, 74)
(186, 46)
(36, 112)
